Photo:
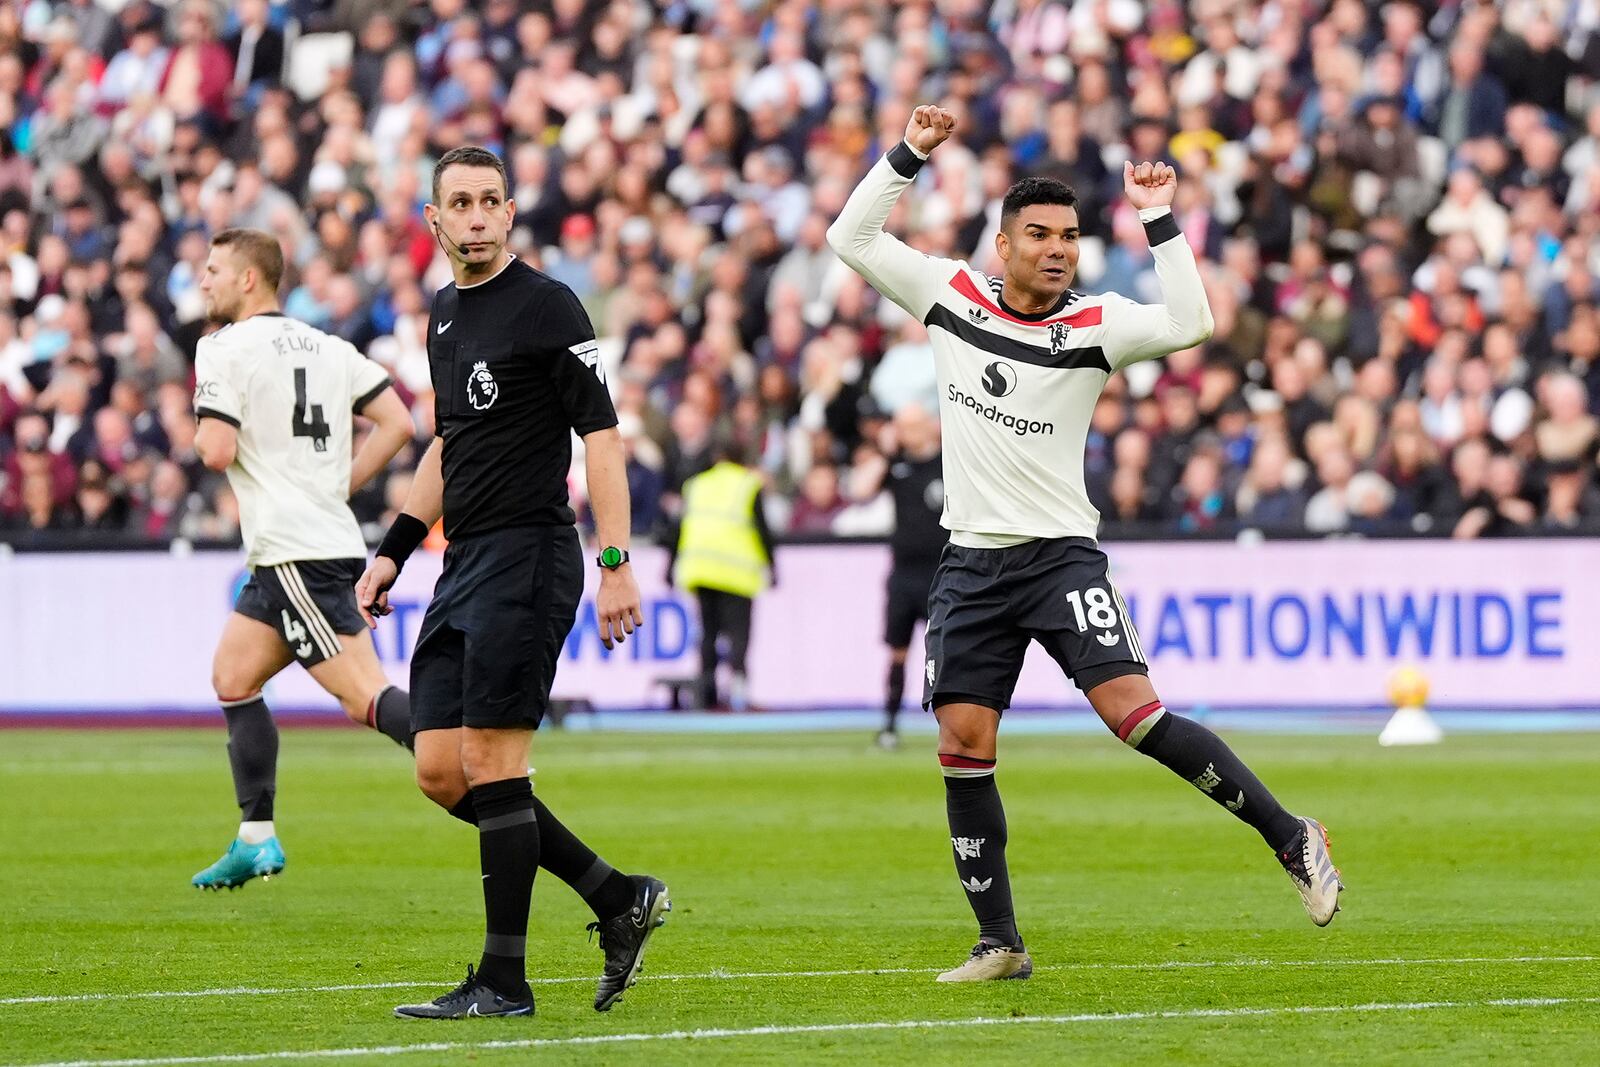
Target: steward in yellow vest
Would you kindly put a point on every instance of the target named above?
(724, 556)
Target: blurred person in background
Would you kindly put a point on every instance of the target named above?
(1270, 498)
(819, 503)
(914, 478)
(1572, 500)
(1500, 508)
(723, 555)
(101, 502)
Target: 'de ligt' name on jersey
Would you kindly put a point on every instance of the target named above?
(290, 390)
(1016, 392)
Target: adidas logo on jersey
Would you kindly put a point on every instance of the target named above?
(978, 316)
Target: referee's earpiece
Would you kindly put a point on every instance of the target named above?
(440, 236)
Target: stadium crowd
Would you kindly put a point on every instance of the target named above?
(1397, 206)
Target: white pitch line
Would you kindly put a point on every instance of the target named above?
(824, 1028)
(734, 976)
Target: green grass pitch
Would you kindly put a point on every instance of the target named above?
(1162, 930)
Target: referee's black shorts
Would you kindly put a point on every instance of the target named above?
(906, 601)
(487, 652)
(989, 603)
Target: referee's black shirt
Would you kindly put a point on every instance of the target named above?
(515, 371)
(917, 486)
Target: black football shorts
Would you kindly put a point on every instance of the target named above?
(309, 603)
(988, 603)
(905, 603)
(487, 651)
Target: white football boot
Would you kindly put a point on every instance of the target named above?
(1312, 871)
(991, 963)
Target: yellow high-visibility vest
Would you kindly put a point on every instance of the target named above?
(718, 547)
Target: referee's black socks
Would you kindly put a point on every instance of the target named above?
(978, 839)
(895, 694)
(1204, 760)
(606, 890)
(508, 852)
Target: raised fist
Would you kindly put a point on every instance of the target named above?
(930, 125)
(1149, 184)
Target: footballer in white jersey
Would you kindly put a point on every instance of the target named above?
(1021, 360)
(290, 391)
(275, 400)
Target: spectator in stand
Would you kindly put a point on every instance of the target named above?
(819, 503)
(1270, 498)
(197, 83)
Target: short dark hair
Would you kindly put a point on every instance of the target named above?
(1035, 190)
(468, 155)
(259, 249)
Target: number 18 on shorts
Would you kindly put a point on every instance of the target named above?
(987, 604)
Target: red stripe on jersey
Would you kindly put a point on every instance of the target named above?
(1137, 716)
(963, 284)
(947, 759)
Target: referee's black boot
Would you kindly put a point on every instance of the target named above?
(470, 999)
(623, 938)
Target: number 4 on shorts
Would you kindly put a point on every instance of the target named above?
(296, 635)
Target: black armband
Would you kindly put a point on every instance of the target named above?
(905, 162)
(402, 539)
(1162, 229)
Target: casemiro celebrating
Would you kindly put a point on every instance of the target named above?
(1021, 360)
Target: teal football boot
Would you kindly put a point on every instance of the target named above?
(241, 863)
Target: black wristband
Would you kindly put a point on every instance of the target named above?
(1161, 229)
(905, 162)
(402, 539)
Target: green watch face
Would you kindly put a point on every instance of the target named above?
(611, 557)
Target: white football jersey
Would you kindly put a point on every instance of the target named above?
(290, 390)
(1016, 393)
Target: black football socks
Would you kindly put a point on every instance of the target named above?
(1204, 760)
(978, 839)
(253, 755)
(897, 692)
(508, 851)
(607, 891)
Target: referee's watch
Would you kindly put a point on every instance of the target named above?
(611, 557)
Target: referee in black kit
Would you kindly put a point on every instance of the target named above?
(915, 479)
(515, 372)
